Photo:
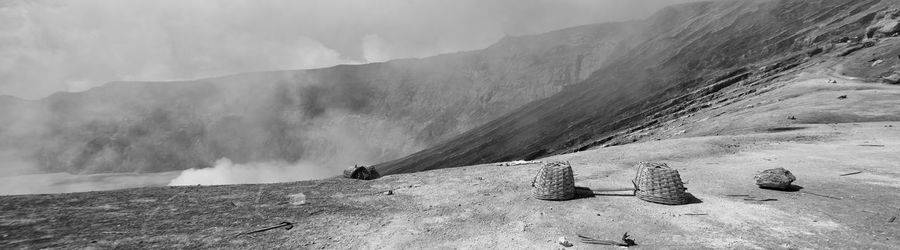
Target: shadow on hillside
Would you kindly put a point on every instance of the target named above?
(785, 129)
(692, 199)
(584, 192)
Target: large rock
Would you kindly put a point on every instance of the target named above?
(887, 26)
(892, 79)
(890, 27)
(776, 178)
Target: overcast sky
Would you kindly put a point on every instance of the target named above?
(72, 45)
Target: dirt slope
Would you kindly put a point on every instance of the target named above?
(489, 206)
(690, 53)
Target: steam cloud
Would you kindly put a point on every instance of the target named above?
(226, 172)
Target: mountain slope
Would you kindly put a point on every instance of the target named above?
(333, 117)
(684, 53)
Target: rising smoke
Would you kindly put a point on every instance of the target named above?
(227, 172)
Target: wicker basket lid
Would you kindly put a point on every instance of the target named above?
(554, 181)
(658, 183)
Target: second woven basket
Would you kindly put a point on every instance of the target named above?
(554, 181)
(658, 183)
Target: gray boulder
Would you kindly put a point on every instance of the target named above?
(891, 79)
(776, 178)
(888, 25)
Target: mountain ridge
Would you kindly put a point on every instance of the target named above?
(735, 34)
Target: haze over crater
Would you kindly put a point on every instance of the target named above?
(49, 45)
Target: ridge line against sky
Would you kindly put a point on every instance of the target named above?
(54, 45)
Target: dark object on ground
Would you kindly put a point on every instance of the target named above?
(554, 181)
(792, 118)
(626, 241)
(842, 97)
(658, 183)
(613, 191)
(286, 225)
(759, 199)
(871, 145)
(696, 214)
(361, 173)
(776, 178)
(822, 195)
(853, 173)
(892, 219)
(813, 52)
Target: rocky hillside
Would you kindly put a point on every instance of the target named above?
(334, 116)
(682, 59)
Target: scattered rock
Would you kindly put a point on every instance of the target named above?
(564, 242)
(389, 192)
(792, 118)
(888, 25)
(776, 178)
(877, 62)
(892, 79)
(842, 97)
(869, 43)
(832, 81)
(297, 199)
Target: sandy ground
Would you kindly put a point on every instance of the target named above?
(490, 206)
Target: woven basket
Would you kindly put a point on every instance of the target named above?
(658, 183)
(554, 181)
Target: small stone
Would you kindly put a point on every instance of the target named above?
(776, 178)
(562, 241)
(297, 199)
(389, 192)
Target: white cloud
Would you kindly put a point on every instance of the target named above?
(227, 172)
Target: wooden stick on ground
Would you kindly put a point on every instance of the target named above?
(852, 173)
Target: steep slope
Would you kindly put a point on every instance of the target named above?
(335, 116)
(684, 54)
